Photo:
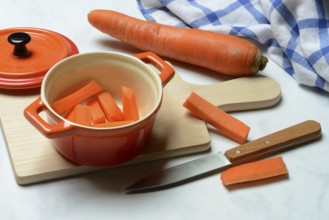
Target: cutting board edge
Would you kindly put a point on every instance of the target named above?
(78, 170)
(54, 175)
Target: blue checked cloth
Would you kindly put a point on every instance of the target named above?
(294, 32)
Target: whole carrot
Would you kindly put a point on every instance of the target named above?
(222, 53)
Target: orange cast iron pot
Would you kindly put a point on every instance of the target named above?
(93, 146)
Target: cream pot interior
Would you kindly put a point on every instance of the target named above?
(111, 70)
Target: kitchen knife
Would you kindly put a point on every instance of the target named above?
(264, 146)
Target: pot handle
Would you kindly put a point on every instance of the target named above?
(32, 112)
(166, 71)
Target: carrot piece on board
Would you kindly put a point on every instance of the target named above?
(254, 171)
(129, 104)
(96, 111)
(68, 102)
(223, 53)
(226, 124)
(109, 106)
(112, 124)
(80, 114)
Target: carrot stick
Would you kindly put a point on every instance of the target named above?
(254, 171)
(219, 52)
(226, 124)
(68, 102)
(129, 104)
(112, 124)
(80, 114)
(109, 106)
(97, 113)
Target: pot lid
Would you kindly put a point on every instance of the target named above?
(26, 54)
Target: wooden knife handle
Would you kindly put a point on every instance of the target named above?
(278, 141)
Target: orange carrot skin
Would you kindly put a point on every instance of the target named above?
(129, 104)
(226, 124)
(254, 171)
(68, 102)
(223, 53)
(109, 106)
(97, 113)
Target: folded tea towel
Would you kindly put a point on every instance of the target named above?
(294, 32)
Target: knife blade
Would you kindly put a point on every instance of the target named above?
(270, 144)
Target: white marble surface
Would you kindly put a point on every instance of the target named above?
(101, 195)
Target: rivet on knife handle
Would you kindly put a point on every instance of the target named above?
(283, 139)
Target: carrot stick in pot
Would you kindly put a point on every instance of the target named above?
(80, 114)
(109, 106)
(129, 104)
(97, 112)
(223, 53)
(68, 102)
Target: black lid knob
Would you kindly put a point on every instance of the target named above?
(19, 40)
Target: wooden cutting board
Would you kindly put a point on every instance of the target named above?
(175, 132)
